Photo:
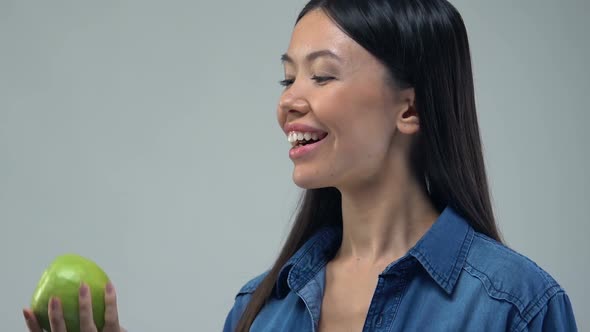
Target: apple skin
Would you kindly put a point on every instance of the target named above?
(63, 278)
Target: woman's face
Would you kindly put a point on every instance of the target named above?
(342, 91)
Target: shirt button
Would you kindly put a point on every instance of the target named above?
(378, 320)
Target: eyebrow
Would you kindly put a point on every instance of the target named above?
(312, 56)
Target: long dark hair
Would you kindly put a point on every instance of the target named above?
(424, 45)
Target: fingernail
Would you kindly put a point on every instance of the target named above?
(110, 288)
(54, 303)
(83, 290)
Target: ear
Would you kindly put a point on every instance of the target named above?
(407, 121)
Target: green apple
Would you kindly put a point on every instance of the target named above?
(63, 279)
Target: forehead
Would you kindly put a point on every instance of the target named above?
(316, 31)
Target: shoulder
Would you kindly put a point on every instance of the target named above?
(510, 276)
(241, 301)
(250, 286)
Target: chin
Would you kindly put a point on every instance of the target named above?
(307, 181)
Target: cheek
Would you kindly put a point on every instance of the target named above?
(356, 116)
(281, 116)
(356, 149)
(358, 128)
(364, 145)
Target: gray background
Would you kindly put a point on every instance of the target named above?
(143, 134)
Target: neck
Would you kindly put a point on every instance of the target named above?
(384, 219)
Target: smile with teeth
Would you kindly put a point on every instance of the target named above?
(297, 138)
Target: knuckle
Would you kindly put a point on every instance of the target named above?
(85, 306)
(111, 319)
(55, 319)
(90, 327)
(85, 316)
(111, 308)
(111, 298)
(55, 325)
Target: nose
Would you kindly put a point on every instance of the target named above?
(290, 102)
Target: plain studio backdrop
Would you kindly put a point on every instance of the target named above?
(143, 135)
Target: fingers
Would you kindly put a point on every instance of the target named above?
(31, 321)
(85, 309)
(111, 316)
(56, 318)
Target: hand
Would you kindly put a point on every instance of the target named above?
(58, 324)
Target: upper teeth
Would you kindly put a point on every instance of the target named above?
(296, 136)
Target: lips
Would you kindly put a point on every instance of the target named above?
(301, 151)
(314, 135)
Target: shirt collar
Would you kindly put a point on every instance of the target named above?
(308, 260)
(442, 252)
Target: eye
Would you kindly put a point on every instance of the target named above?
(286, 82)
(321, 79)
(318, 79)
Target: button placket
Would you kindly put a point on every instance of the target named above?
(387, 300)
(378, 320)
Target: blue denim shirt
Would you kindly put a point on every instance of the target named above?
(453, 279)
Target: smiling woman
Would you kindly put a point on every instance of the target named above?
(396, 231)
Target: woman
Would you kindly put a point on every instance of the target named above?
(396, 231)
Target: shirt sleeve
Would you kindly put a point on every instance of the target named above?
(235, 313)
(556, 316)
(241, 301)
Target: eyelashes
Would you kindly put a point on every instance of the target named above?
(318, 79)
(286, 82)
